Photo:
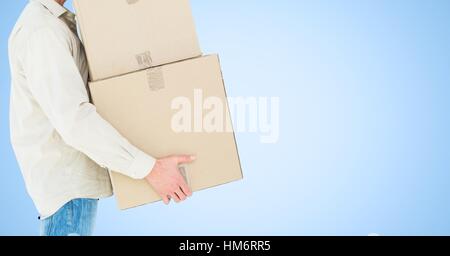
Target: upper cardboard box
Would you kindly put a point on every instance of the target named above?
(123, 36)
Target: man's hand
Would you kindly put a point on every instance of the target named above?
(167, 181)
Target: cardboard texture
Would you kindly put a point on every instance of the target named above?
(123, 36)
(139, 106)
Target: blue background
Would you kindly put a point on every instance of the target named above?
(364, 146)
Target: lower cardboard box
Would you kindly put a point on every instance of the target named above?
(179, 108)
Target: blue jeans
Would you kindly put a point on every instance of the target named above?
(76, 218)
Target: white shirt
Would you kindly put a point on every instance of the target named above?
(57, 135)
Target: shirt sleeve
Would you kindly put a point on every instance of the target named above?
(58, 87)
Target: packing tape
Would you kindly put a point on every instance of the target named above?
(155, 78)
(130, 2)
(144, 60)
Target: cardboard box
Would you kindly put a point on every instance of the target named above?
(142, 106)
(123, 36)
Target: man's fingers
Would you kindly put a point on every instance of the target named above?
(166, 200)
(186, 190)
(170, 179)
(180, 194)
(175, 197)
(185, 159)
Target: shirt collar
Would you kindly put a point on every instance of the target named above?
(55, 8)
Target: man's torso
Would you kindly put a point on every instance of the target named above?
(54, 172)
